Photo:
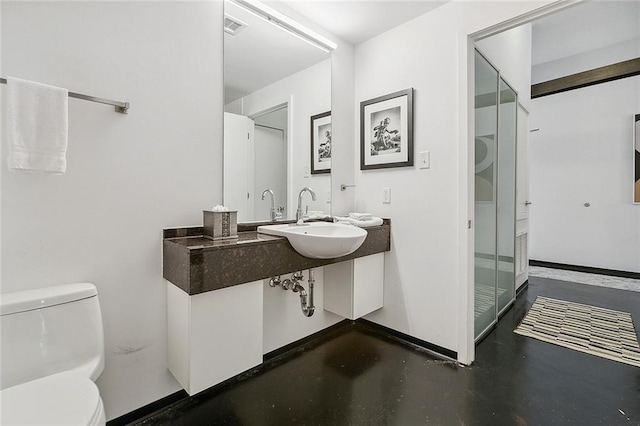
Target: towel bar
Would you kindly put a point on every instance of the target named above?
(121, 107)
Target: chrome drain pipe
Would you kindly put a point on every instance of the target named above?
(306, 299)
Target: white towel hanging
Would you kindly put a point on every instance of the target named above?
(37, 126)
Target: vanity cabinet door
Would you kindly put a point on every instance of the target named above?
(213, 336)
(354, 288)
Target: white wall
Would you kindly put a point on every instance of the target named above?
(343, 125)
(582, 154)
(427, 292)
(128, 176)
(309, 92)
(585, 61)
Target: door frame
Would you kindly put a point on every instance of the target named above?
(466, 241)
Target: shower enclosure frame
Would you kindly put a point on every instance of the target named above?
(498, 311)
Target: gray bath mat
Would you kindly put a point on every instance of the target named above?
(590, 329)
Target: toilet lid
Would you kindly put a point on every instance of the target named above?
(60, 399)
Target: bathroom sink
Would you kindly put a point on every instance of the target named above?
(319, 240)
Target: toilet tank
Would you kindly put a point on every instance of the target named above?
(50, 330)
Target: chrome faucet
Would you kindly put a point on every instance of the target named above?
(273, 203)
(299, 214)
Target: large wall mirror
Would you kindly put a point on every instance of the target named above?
(277, 87)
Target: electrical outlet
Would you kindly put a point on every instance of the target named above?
(424, 160)
(386, 195)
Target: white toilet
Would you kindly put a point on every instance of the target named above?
(52, 350)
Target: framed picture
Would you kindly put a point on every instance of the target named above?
(636, 159)
(386, 131)
(321, 143)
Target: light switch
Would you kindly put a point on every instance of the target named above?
(424, 160)
(386, 195)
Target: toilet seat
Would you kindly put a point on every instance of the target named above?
(60, 399)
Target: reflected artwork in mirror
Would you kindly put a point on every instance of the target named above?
(277, 74)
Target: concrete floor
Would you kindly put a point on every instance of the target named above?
(358, 376)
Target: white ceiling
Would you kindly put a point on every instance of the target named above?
(356, 21)
(587, 26)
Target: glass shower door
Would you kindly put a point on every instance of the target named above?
(496, 109)
(486, 133)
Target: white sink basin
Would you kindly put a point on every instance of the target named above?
(319, 240)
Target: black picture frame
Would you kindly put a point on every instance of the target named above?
(321, 143)
(386, 131)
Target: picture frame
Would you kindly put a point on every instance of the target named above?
(321, 143)
(636, 159)
(386, 131)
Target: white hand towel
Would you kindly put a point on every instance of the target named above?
(37, 126)
(374, 221)
(360, 216)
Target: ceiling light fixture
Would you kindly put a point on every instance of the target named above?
(285, 23)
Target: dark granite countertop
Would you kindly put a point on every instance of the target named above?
(198, 264)
(200, 242)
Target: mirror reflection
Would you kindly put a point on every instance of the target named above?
(275, 83)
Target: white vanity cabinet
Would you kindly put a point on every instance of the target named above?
(354, 288)
(213, 336)
(215, 297)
